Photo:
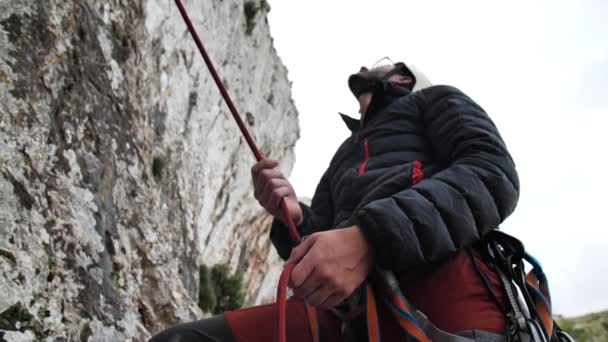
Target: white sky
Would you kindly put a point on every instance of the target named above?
(539, 68)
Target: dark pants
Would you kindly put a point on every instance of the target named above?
(214, 329)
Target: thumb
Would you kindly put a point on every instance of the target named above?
(300, 251)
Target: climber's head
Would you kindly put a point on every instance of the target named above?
(363, 82)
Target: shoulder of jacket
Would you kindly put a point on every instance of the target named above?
(340, 151)
(438, 91)
(439, 95)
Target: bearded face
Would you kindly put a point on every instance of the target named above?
(366, 79)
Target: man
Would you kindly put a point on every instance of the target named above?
(423, 176)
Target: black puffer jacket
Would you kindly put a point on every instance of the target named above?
(470, 183)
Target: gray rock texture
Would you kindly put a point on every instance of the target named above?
(121, 170)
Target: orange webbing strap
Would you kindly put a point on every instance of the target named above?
(400, 309)
(313, 322)
(395, 302)
(405, 316)
(542, 300)
(373, 323)
(399, 306)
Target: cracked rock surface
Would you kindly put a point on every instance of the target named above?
(121, 169)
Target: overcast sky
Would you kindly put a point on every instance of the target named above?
(539, 68)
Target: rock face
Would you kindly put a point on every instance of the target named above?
(121, 170)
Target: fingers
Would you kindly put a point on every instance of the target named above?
(319, 296)
(312, 283)
(332, 301)
(321, 291)
(305, 266)
(270, 185)
(265, 163)
(272, 194)
(300, 251)
(317, 279)
(263, 171)
(274, 203)
(329, 290)
(263, 177)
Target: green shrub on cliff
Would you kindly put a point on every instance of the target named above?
(219, 290)
(206, 291)
(588, 328)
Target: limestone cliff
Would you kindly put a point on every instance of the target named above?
(121, 169)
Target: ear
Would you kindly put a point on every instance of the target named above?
(402, 80)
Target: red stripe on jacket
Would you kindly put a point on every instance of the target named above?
(366, 151)
(417, 172)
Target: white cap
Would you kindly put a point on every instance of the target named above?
(421, 80)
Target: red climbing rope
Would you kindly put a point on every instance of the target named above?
(295, 237)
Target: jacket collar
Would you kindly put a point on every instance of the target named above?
(383, 94)
(352, 123)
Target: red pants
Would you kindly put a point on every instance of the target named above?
(451, 293)
(258, 323)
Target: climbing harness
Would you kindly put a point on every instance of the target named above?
(532, 325)
(529, 300)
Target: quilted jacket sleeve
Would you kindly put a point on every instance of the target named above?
(475, 191)
(317, 217)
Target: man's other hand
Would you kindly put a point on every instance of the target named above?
(330, 266)
(271, 186)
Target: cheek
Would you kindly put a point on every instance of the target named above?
(361, 107)
(364, 100)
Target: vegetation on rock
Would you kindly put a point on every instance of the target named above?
(219, 290)
(251, 10)
(18, 318)
(588, 328)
